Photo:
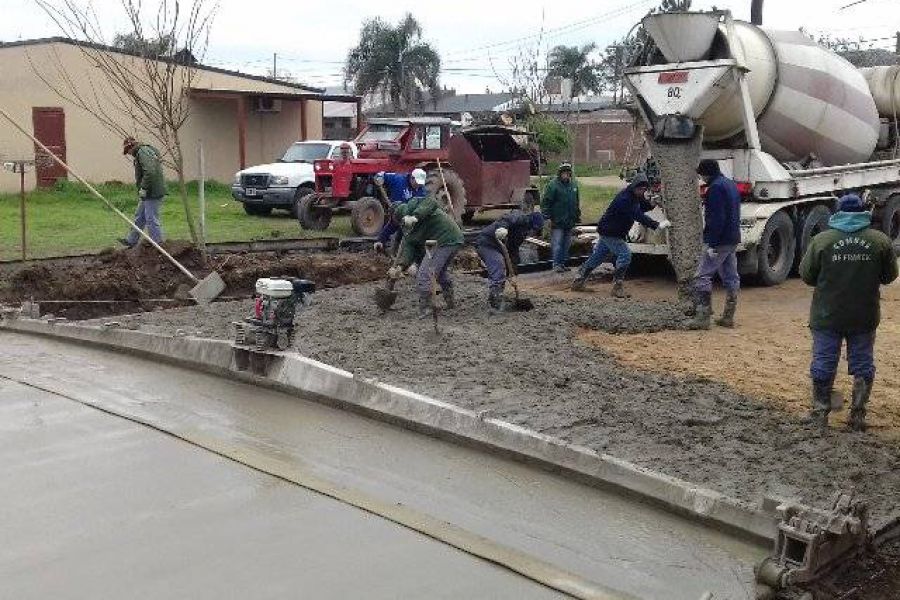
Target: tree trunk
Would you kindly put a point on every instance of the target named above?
(182, 190)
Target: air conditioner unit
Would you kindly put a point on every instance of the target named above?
(266, 104)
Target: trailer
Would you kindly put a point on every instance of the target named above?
(791, 122)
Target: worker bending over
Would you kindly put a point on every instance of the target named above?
(400, 189)
(424, 220)
(629, 206)
(508, 231)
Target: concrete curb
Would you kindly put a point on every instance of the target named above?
(297, 374)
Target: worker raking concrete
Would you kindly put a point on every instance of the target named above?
(562, 207)
(400, 188)
(424, 220)
(847, 264)
(721, 236)
(629, 206)
(148, 175)
(509, 231)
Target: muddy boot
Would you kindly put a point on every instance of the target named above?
(618, 289)
(703, 314)
(821, 404)
(494, 299)
(579, 282)
(449, 300)
(727, 318)
(424, 307)
(861, 389)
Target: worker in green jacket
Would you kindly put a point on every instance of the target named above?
(563, 209)
(148, 175)
(424, 220)
(847, 264)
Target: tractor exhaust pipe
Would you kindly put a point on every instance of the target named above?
(756, 8)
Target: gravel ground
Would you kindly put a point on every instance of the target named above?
(527, 368)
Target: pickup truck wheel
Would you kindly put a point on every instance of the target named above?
(814, 222)
(316, 218)
(367, 217)
(888, 218)
(257, 210)
(777, 247)
(298, 195)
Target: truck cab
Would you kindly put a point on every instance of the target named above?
(283, 183)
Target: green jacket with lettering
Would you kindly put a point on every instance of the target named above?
(433, 224)
(848, 264)
(561, 204)
(148, 171)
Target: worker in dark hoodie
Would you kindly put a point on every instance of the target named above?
(629, 206)
(847, 264)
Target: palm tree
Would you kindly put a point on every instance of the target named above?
(572, 62)
(393, 61)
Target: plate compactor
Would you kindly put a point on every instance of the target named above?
(275, 306)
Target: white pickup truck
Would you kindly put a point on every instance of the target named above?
(282, 184)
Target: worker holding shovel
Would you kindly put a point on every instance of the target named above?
(400, 188)
(505, 235)
(424, 220)
(151, 184)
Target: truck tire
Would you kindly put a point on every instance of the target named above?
(303, 190)
(455, 205)
(814, 222)
(316, 218)
(777, 247)
(367, 217)
(256, 210)
(887, 218)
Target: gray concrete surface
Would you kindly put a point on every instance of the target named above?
(595, 534)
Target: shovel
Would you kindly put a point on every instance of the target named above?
(204, 289)
(429, 252)
(520, 304)
(386, 296)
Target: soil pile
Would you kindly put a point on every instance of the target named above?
(529, 369)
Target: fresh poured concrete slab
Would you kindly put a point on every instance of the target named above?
(598, 535)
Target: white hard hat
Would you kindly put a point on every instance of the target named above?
(418, 176)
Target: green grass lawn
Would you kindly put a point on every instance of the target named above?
(585, 170)
(70, 220)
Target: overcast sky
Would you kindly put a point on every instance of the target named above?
(475, 38)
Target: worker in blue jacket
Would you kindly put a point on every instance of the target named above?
(401, 188)
(510, 230)
(629, 206)
(721, 236)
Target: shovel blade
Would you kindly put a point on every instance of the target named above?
(208, 288)
(385, 299)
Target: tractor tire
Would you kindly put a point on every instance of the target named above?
(455, 205)
(814, 222)
(302, 191)
(367, 217)
(887, 218)
(312, 217)
(257, 210)
(777, 247)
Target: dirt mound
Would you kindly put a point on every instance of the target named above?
(122, 281)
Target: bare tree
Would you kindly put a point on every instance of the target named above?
(149, 86)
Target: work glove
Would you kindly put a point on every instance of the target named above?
(412, 270)
(378, 247)
(501, 233)
(664, 224)
(712, 252)
(395, 272)
(379, 178)
(410, 221)
(142, 193)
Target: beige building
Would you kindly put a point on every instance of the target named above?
(240, 119)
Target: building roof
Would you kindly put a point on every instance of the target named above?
(454, 103)
(199, 67)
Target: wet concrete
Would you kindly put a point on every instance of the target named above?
(530, 370)
(592, 533)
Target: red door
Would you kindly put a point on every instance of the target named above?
(50, 128)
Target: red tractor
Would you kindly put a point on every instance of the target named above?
(472, 170)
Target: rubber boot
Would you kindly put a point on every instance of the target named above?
(821, 403)
(580, 281)
(424, 307)
(618, 289)
(494, 299)
(449, 299)
(703, 314)
(727, 318)
(862, 388)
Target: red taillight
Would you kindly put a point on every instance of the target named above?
(745, 188)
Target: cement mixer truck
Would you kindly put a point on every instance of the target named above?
(793, 123)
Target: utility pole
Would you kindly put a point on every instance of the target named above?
(274, 65)
(897, 43)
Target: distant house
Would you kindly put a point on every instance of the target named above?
(452, 105)
(241, 119)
